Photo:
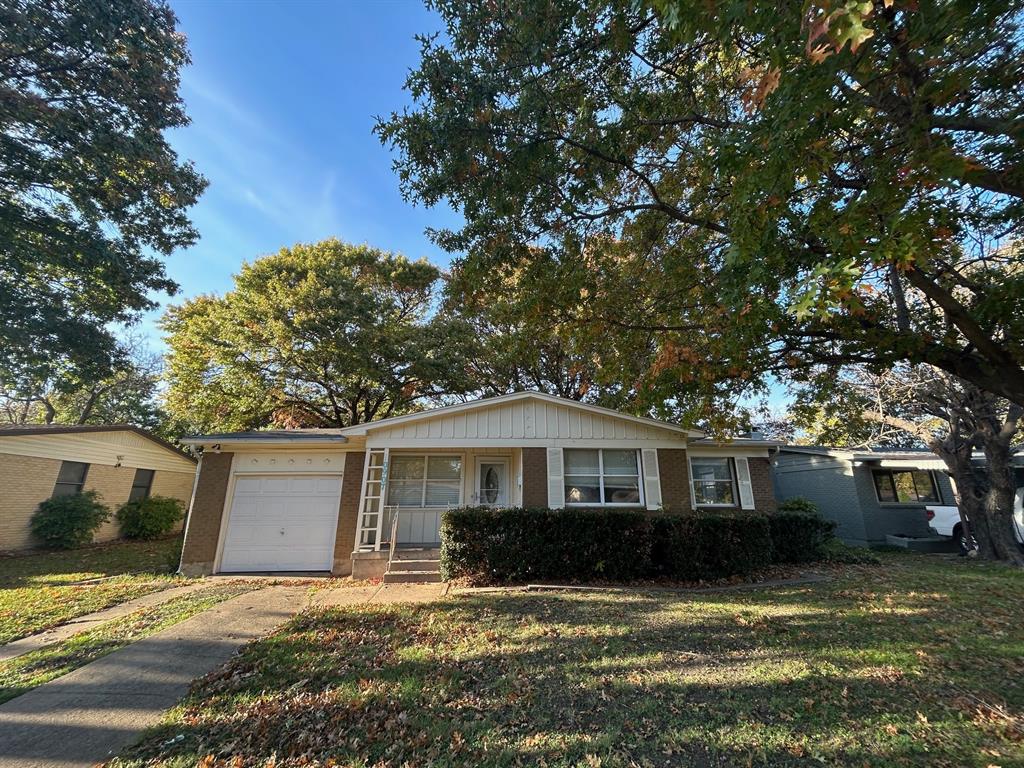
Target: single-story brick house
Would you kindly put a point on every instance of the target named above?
(329, 499)
(118, 461)
(869, 494)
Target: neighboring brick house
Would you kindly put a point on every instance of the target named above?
(117, 461)
(328, 499)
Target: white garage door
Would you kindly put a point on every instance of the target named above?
(282, 523)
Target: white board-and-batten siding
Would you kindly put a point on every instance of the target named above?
(526, 422)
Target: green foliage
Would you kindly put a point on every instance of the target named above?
(835, 551)
(150, 517)
(799, 504)
(491, 546)
(747, 187)
(65, 522)
(127, 395)
(703, 546)
(91, 192)
(798, 534)
(319, 335)
(501, 546)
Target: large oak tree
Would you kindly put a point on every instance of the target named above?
(91, 194)
(321, 335)
(764, 186)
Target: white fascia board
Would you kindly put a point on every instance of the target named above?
(456, 444)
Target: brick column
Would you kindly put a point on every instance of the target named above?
(348, 513)
(674, 472)
(535, 477)
(202, 529)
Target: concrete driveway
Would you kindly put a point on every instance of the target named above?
(89, 715)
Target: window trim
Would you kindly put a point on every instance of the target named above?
(148, 486)
(81, 485)
(423, 493)
(733, 479)
(600, 479)
(890, 471)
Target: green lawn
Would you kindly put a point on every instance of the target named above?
(26, 672)
(919, 661)
(37, 590)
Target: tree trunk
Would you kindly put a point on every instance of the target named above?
(997, 510)
(970, 494)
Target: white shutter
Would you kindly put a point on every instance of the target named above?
(652, 480)
(556, 481)
(743, 480)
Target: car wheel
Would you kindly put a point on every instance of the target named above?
(958, 537)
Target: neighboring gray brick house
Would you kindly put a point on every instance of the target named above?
(870, 494)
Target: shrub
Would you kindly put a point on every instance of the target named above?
(493, 546)
(69, 521)
(149, 518)
(799, 537)
(489, 545)
(707, 546)
(836, 551)
(799, 504)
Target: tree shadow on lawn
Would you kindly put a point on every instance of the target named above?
(790, 677)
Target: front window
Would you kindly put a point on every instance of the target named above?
(906, 486)
(71, 478)
(712, 482)
(141, 485)
(601, 477)
(424, 481)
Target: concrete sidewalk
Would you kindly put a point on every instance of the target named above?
(90, 714)
(84, 623)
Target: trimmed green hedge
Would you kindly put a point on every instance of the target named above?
(800, 537)
(513, 545)
(708, 546)
(504, 546)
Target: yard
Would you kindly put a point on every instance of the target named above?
(38, 591)
(919, 661)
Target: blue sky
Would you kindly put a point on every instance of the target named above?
(282, 98)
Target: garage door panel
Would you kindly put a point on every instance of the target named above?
(281, 523)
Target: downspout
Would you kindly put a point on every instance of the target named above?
(191, 503)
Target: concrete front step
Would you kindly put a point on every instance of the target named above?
(415, 565)
(412, 577)
(417, 554)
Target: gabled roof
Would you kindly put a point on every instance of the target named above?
(64, 429)
(487, 402)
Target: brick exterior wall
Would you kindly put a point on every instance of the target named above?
(26, 481)
(113, 485)
(177, 485)
(674, 472)
(348, 513)
(762, 485)
(203, 524)
(535, 477)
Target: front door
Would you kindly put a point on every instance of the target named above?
(492, 482)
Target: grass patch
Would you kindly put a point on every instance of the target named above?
(39, 591)
(919, 661)
(23, 673)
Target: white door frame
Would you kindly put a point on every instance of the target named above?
(504, 460)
